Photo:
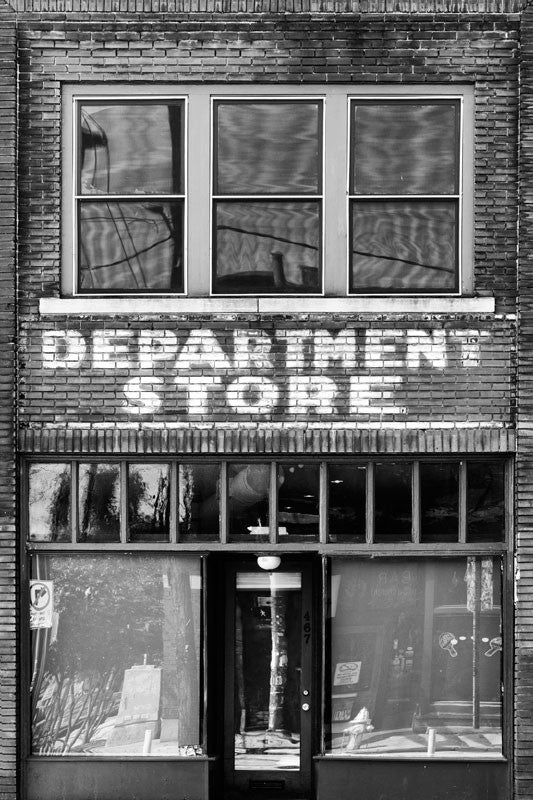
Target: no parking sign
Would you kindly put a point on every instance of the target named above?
(41, 604)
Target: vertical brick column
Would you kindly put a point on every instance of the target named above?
(524, 476)
(8, 655)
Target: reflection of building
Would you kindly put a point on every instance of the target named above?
(269, 309)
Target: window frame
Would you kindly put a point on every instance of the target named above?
(198, 178)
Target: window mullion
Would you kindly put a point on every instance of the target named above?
(323, 503)
(74, 495)
(462, 501)
(273, 503)
(198, 212)
(123, 502)
(335, 212)
(370, 494)
(223, 503)
(415, 490)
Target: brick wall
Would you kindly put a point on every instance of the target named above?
(248, 383)
(8, 655)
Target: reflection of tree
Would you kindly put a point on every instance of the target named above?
(148, 510)
(110, 618)
(99, 504)
(59, 513)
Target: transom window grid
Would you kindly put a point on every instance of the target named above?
(197, 244)
(382, 504)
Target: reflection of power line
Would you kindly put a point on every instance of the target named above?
(133, 255)
(403, 261)
(266, 236)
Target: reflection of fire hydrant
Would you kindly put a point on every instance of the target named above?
(359, 725)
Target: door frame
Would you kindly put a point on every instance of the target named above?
(265, 784)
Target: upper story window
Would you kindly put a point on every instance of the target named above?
(262, 192)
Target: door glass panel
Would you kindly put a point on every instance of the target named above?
(267, 671)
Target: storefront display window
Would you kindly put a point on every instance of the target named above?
(116, 643)
(415, 657)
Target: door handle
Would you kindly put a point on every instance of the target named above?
(306, 707)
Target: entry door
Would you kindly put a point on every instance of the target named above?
(270, 698)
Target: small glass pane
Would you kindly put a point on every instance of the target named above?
(267, 248)
(485, 501)
(439, 502)
(415, 658)
(131, 148)
(404, 246)
(268, 147)
(268, 665)
(131, 246)
(248, 501)
(405, 148)
(298, 501)
(99, 502)
(393, 502)
(116, 665)
(49, 502)
(199, 502)
(347, 502)
(148, 502)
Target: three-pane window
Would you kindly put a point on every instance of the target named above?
(326, 194)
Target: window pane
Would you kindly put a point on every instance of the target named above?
(347, 502)
(131, 246)
(415, 646)
(439, 502)
(298, 501)
(131, 148)
(393, 504)
(199, 502)
(49, 502)
(405, 148)
(148, 502)
(404, 246)
(248, 501)
(267, 248)
(485, 501)
(99, 502)
(268, 147)
(121, 656)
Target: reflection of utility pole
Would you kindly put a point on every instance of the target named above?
(278, 657)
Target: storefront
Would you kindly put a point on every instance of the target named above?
(267, 628)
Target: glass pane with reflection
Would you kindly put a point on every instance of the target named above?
(267, 670)
(439, 502)
(298, 501)
(347, 502)
(268, 147)
(131, 148)
(49, 502)
(393, 501)
(99, 502)
(415, 658)
(404, 245)
(199, 502)
(117, 670)
(267, 247)
(249, 501)
(405, 148)
(131, 246)
(485, 516)
(148, 502)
